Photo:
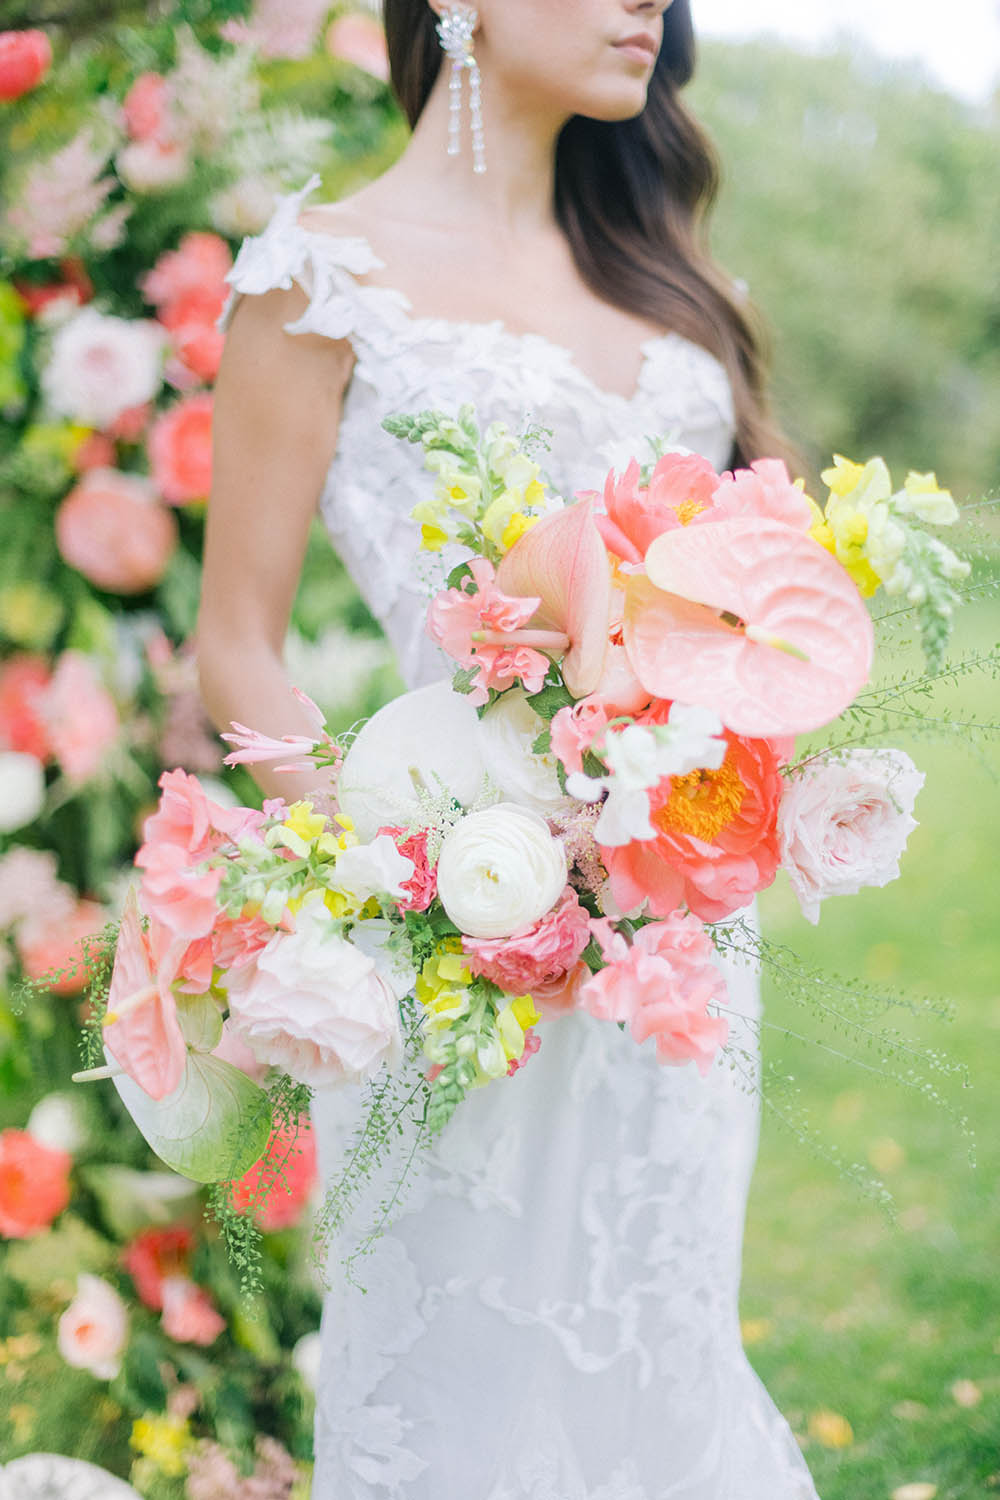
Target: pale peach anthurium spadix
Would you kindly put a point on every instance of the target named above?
(146, 1040)
(563, 562)
(795, 650)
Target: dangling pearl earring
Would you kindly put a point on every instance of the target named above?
(455, 30)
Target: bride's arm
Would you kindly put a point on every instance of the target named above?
(277, 408)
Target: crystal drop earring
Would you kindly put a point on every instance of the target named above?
(456, 29)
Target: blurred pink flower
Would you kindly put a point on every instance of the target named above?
(359, 39)
(34, 1184)
(99, 366)
(545, 951)
(280, 28)
(93, 1331)
(53, 939)
(130, 424)
(180, 450)
(23, 680)
(213, 1476)
(60, 196)
(148, 166)
(199, 264)
(79, 715)
(30, 889)
(97, 451)
(114, 531)
(292, 1154)
(25, 58)
(145, 107)
(189, 1315)
(662, 987)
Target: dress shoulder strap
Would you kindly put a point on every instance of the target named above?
(325, 266)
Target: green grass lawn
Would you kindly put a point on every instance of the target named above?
(894, 1327)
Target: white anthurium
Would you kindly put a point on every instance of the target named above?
(426, 738)
(638, 757)
(507, 731)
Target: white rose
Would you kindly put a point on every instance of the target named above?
(22, 789)
(843, 823)
(99, 366)
(94, 1328)
(507, 732)
(433, 733)
(499, 871)
(315, 1005)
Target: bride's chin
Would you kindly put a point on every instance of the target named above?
(622, 99)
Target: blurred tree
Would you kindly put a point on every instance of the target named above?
(861, 208)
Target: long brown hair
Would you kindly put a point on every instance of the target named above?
(632, 198)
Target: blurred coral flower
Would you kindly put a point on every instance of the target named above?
(25, 59)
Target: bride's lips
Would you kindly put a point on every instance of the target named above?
(640, 47)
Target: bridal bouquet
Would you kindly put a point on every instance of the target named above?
(609, 775)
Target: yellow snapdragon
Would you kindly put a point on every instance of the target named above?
(164, 1440)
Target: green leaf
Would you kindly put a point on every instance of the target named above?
(543, 744)
(550, 700)
(464, 679)
(214, 1125)
(59, 1254)
(129, 1200)
(455, 577)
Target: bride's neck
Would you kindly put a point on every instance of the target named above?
(516, 192)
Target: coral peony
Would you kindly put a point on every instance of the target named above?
(100, 365)
(180, 450)
(680, 488)
(189, 1315)
(844, 822)
(716, 838)
(58, 945)
(34, 1184)
(25, 58)
(79, 715)
(662, 986)
(763, 490)
(287, 1171)
(22, 682)
(153, 1256)
(93, 1331)
(538, 955)
(112, 530)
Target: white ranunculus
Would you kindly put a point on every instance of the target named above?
(22, 789)
(60, 1121)
(843, 823)
(100, 366)
(315, 1005)
(499, 871)
(432, 732)
(375, 869)
(507, 732)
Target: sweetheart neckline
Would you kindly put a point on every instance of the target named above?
(498, 326)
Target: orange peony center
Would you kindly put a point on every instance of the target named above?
(702, 803)
(688, 509)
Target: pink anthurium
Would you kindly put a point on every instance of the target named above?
(144, 1037)
(750, 618)
(563, 562)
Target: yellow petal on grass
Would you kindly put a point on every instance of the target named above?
(830, 1429)
(886, 1155)
(756, 1330)
(920, 1490)
(966, 1393)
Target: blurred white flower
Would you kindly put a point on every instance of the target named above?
(99, 366)
(22, 790)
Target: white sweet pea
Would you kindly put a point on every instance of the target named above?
(638, 757)
(375, 869)
(499, 871)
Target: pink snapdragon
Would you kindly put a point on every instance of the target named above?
(575, 728)
(662, 986)
(484, 628)
(537, 955)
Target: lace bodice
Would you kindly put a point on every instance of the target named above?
(407, 363)
(553, 1313)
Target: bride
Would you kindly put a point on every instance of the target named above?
(553, 1313)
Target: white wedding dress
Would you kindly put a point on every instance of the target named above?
(553, 1315)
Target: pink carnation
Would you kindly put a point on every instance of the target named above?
(662, 986)
(537, 955)
(716, 838)
(764, 490)
(112, 530)
(680, 488)
(189, 1315)
(421, 888)
(180, 450)
(457, 616)
(79, 715)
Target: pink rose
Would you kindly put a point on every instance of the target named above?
(34, 1184)
(844, 822)
(359, 39)
(180, 450)
(189, 1316)
(79, 715)
(93, 1330)
(535, 956)
(662, 986)
(315, 1005)
(575, 728)
(25, 58)
(46, 946)
(716, 838)
(112, 530)
(421, 888)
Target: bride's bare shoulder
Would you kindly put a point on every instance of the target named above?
(356, 217)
